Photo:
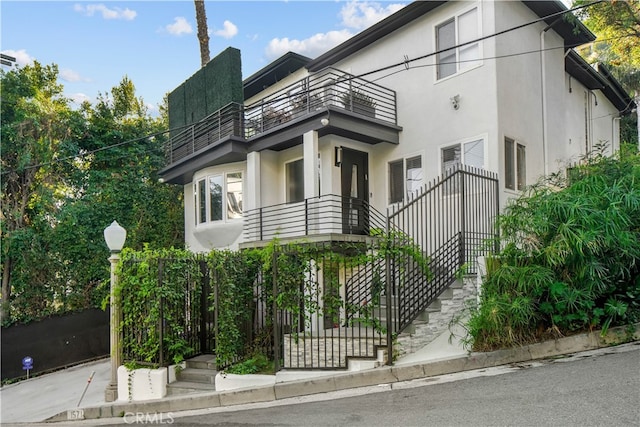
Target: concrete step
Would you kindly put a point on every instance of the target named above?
(204, 361)
(202, 376)
(187, 387)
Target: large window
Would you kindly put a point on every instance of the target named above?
(219, 197)
(515, 172)
(295, 181)
(452, 37)
(405, 178)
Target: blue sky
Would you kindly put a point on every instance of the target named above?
(96, 43)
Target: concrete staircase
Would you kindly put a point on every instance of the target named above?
(429, 324)
(198, 376)
(436, 318)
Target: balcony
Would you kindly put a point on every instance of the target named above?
(359, 109)
(313, 218)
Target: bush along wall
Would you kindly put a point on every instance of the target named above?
(570, 258)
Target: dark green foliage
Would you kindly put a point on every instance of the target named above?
(570, 260)
(66, 175)
(150, 301)
(212, 87)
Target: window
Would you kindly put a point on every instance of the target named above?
(468, 153)
(216, 192)
(295, 181)
(456, 32)
(515, 174)
(405, 178)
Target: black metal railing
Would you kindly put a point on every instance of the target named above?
(221, 124)
(315, 326)
(347, 298)
(328, 88)
(317, 215)
(451, 220)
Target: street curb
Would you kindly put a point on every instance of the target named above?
(349, 380)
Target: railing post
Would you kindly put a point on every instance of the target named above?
(161, 312)
(276, 327)
(306, 217)
(387, 291)
(463, 219)
(216, 306)
(261, 236)
(204, 291)
(497, 214)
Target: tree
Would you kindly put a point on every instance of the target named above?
(203, 32)
(617, 24)
(66, 175)
(36, 121)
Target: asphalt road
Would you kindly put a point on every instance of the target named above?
(599, 388)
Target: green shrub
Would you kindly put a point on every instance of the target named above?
(570, 258)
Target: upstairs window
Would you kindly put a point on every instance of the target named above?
(450, 35)
(405, 178)
(219, 197)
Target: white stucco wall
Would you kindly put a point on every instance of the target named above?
(515, 91)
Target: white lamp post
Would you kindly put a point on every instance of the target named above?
(115, 236)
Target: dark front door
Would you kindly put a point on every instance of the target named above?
(355, 192)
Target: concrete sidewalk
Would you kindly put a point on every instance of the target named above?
(39, 398)
(51, 396)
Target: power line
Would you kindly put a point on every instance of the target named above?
(405, 67)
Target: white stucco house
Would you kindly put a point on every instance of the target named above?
(494, 85)
(373, 134)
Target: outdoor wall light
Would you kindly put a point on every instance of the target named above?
(338, 156)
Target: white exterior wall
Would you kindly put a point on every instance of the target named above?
(425, 111)
(510, 93)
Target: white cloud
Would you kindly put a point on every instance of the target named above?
(354, 15)
(311, 47)
(360, 15)
(78, 98)
(228, 31)
(71, 76)
(179, 27)
(22, 57)
(107, 13)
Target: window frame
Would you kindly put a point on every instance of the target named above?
(456, 49)
(515, 168)
(392, 186)
(287, 187)
(202, 186)
(463, 152)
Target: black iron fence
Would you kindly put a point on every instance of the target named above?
(452, 222)
(315, 305)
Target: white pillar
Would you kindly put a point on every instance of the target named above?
(252, 182)
(311, 165)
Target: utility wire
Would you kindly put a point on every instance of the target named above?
(404, 64)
